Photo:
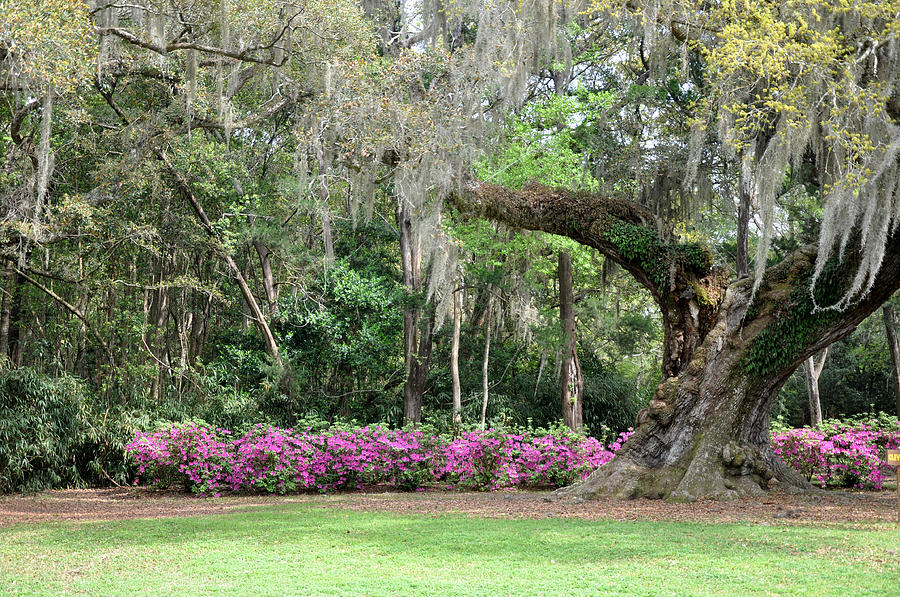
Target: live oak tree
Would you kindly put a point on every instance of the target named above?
(705, 432)
(807, 83)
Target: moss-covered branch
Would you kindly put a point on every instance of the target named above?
(621, 230)
(788, 321)
(680, 277)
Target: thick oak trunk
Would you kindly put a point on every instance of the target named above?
(705, 432)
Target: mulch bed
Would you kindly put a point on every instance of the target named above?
(777, 508)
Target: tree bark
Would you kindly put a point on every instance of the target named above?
(454, 360)
(812, 369)
(485, 361)
(570, 372)
(705, 432)
(157, 313)
(325, 211)
(418, 321)
(893, 340)
(8, 290)
(268, 277)
(16, 331)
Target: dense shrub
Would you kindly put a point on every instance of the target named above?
(273, 460)
(846, 454)
(53, 434)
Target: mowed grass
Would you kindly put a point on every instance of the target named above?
(302, 549)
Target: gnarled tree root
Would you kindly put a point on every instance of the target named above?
(738, 472)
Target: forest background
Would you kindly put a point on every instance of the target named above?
(232, 211)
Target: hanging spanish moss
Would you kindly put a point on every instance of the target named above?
(191, 85)
(779, 94)
(45, 159)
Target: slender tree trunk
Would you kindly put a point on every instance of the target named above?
(16, 329)
(485, 361)
(157, 314)
(246, 309)
(325, 211)
(8, 289)
(893, 340)
(268, 277)
(570, 373)
(537, 384)
(812, 369)
(454, 360)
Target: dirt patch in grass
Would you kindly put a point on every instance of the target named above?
(123, 503)
(774, 508)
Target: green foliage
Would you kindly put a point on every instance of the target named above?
(542, 144)
(643, 246)
(343, 336)
(53, 435)
(855, 382)
(795, 322)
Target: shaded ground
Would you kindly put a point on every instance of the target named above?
(114, 504)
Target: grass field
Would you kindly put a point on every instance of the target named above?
(301, 549)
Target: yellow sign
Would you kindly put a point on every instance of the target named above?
(893, 457)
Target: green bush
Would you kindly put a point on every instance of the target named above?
(52, 436)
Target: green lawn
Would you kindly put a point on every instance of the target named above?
(299, 549)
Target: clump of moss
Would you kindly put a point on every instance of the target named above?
(795, 325)
(643, 247)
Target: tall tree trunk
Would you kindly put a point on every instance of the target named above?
(418, 321)
(893, 340)
(485, 361)
(5, 305)
(537, 383)
(812, 369)
(325, 211)
(157, 313)
(570, 373)
(705, 432)
(16, 329)
(268, 277)
(454, 360)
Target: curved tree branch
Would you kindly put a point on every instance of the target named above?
(680, 277)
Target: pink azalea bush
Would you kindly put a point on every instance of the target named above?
(272, 460)
(839, 454)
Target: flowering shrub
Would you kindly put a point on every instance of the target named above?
(191, 455)
(838, 453)
(272, 460)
